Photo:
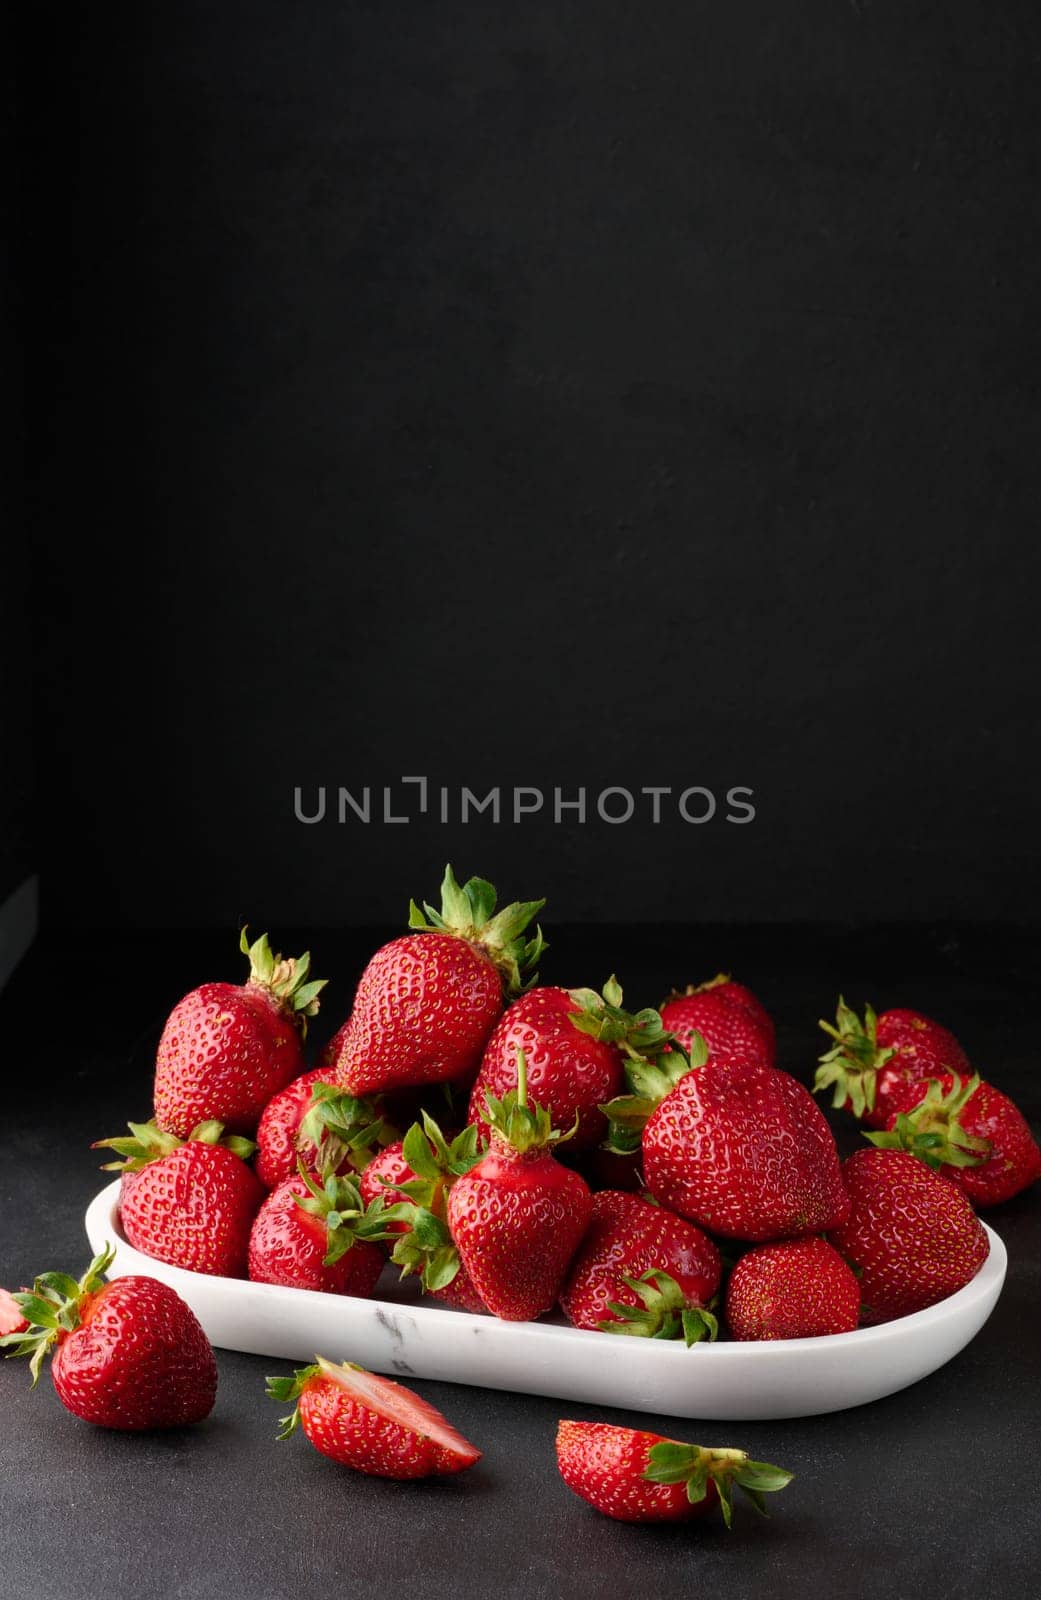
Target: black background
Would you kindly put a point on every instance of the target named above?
(557, 395)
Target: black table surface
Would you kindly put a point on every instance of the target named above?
(929, 1492)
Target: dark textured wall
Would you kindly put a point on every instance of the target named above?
(17, 848)
(552, 395)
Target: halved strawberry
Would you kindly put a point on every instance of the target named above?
(637, 1476)
(370, 1423)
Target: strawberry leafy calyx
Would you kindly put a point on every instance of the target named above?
(148, 1143)
(697, 1467)
(53, 1307)
(341, 1127)
(641, 1035)
(469, 913)
(519, 1125)
(286, 978)
(664, 1312)
(852, 1065)
(648, 1082)
(338, 1205)
(287, 1389)
(426, 1246)
(933, 1131)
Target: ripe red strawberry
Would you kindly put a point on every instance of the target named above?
(420, 1171)
(128, 1354)
(517, 1217)
(967, 1130)
(227, 1048)
(871, 1058)
(796, 1290)
(426, 1003)
(191, 1204)
(641, 1270)
(575, 1042)
(11, 1318)
(314, 1121)
(635, 1476)
(728, 1017)
(370, 1423)
(311, 1236)
(912, 1236)
(739, 1148)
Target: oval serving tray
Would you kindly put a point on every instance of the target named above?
(412, 1338)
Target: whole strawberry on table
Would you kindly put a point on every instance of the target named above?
(129, 1354)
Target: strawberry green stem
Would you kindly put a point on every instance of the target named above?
(696, 1466)
(933, 1130)
(286, 979)
(469, 913)
(522, 1080)
(149, 1143)
(520, 1125)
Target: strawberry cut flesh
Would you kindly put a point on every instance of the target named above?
(11, 1318)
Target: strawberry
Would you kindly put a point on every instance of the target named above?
(11, 1319)
(517, 1217)
(796, 1290)
(737, 1147)
(311, 1236)
(426, 1003)
(636, 1476)
(969, 1131)
(912, 1237)
(420, 1171)
(313, 1120)
(128, 1354)
(728, 1017)
(574, 1041)
(191, 1204)
(641, 1270)
(227, 1048)
(870, 1058)
(370, 1423)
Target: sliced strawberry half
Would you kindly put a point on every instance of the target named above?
(371, 1423)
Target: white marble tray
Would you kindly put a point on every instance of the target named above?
(729, 1382)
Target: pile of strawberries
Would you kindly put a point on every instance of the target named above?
(520, 1148)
